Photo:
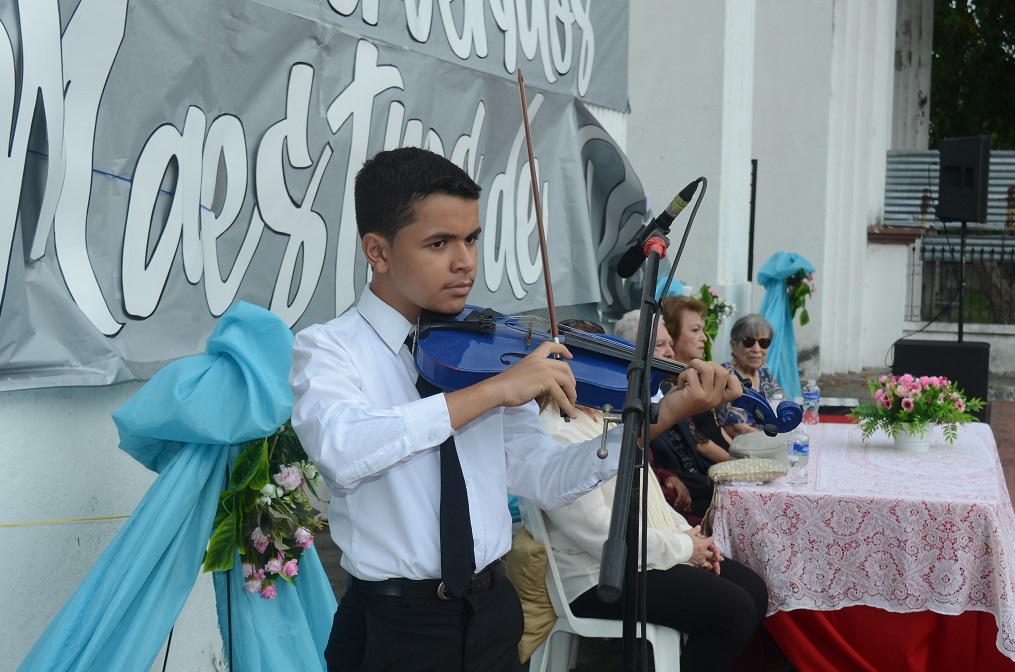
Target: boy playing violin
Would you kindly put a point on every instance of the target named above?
(393, 460)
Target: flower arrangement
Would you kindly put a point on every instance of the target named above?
(718, 311)
(799, 286)
(917, 402)
(268, 513)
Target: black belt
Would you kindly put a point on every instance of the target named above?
(481, 581)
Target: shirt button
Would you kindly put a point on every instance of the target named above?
(432, 436)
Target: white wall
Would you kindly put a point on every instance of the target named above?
(792, 94)
(691, 73)
(803, 86)
(60, 451)
(884, 300)
(676, 68)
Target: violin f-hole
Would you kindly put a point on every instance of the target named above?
(504, 357)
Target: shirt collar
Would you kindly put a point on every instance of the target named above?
(389, 324)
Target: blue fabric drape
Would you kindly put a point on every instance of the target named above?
(184, 424)
(677, 288)
(782, 354)
(280, 634)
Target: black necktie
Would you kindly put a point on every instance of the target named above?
(458, 558)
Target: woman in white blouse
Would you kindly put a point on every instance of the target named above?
(718, 603)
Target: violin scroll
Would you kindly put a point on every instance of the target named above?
(785, 419)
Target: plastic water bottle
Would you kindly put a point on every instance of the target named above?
(777, 398)
(798, 451)
(812, 400)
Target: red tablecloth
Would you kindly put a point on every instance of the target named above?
(865, 639)
(910, 534)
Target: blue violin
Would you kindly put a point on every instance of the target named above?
(477, 344)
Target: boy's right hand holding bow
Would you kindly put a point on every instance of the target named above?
(531, 377)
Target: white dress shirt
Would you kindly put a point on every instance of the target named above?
(362, 422)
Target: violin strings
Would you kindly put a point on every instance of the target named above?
(577, 335)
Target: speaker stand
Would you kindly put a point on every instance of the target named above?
(962, 278)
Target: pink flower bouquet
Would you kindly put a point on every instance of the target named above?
(268, 514)
(914, 403)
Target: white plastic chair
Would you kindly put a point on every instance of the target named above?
(560, 650)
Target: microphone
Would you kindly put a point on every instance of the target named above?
(631, 261)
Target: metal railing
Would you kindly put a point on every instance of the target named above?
(989, 276)
(934, 265)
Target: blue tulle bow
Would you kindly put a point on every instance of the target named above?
(185, 424)
(782, 354)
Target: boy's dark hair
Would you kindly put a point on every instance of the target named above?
(390, 185)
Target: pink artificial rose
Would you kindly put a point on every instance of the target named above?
(907, 404)
(274, 566)
(291, 568)
(260, 541)
(886, 401)
(252, 586)
(248, 569)
(303, 537)
(959, 404)
(268, 592)
(289, 478)
(883, 379)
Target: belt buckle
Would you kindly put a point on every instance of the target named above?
(442, 592)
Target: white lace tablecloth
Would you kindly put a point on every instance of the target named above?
(878, 527)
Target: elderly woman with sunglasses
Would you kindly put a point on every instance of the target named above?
(750, 338)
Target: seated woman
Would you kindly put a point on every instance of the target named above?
(749, 340)
(718, 603)
(627, 328)
(689, 491)
(690, 447)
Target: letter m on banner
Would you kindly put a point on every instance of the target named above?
(41, 90)
(62, 78)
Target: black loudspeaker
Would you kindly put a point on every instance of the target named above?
(965, 363)
(962, 180)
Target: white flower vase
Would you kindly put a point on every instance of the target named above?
(913, 442)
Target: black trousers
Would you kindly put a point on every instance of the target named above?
(718, 613)
(477, 633)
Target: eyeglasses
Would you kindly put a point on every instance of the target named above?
(749, 342)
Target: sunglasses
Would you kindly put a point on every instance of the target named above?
(749, 342)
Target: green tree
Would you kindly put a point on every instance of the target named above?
(973, 74)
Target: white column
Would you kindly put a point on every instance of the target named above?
(914, 33)
(863, 39)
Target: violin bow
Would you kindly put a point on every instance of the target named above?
(554, 330)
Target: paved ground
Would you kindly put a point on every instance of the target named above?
(606, 655)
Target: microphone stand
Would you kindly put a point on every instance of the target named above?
(620, 557)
